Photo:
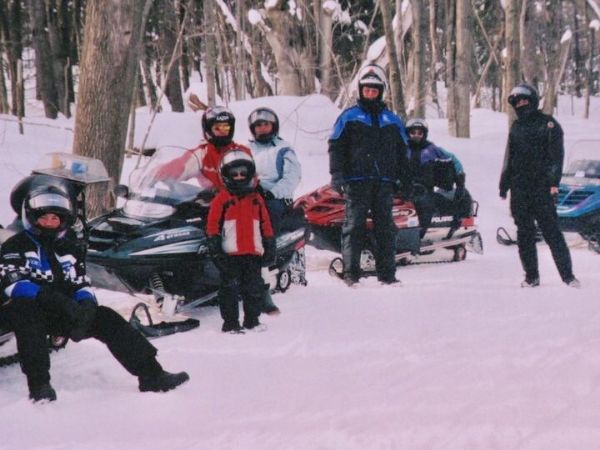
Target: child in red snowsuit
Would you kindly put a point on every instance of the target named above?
(240, 237)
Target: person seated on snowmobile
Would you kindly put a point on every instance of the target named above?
(240, 239)
(218, 126)
(277, 165)
(45, 291)
(438, 179)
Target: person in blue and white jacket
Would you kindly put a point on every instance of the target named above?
(277, 165)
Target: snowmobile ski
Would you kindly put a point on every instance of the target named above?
(153, 330)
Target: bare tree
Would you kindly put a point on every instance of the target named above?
(394, 69)
(419, 10)
(168, 28)
(113, 30)
(459, 77)
(210, 50)
(325, 21)
(552, 50)
(512, 68)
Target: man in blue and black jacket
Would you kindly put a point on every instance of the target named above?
(367, 162)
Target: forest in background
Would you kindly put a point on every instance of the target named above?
(108, 57)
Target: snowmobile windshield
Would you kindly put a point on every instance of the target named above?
(584, 168)
(170, 177)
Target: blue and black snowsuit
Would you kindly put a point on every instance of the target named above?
(434, 167)
(367, 160)
(45, 291)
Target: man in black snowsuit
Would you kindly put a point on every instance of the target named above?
(367, 158)
(532, 172)
(45, 291)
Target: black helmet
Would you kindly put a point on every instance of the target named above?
(237, 172)
(418, 123)
(44, 200)
(218, 114)
(263, 115)
(524, 91)
(372, 75)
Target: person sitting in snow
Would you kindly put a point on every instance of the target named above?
(45, 291)
(433, 167)
(240, 239)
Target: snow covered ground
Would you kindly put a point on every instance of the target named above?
(460, 357)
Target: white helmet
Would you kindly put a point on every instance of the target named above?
(374, 76)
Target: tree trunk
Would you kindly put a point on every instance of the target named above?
(435, 57)
(552, 45)
(326, 49)
(113, 30)
(451, 63)
(394, 70)
(419, 59)
(168, 48)
(463, 64)
(512, 68)
(44, 62)
(210, 50)
(58, 32)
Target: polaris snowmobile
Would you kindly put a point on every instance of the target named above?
(324, 210)
(156, 243)
(578, 200)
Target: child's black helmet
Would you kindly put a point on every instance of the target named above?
(238, 172)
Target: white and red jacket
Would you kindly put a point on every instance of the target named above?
(242, 222)
(202, 161)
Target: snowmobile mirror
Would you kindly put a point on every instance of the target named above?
(121, 190)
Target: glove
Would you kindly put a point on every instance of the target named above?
(268, 258)
(503, 194)
(215, 248)
(79, 315)
(268, 195)
(338, 184)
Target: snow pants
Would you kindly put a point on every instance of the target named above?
(527, 208)
(427, 203)
(361, 198)
(32, 321)
(241, 279)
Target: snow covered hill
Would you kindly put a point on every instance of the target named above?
(460, 357)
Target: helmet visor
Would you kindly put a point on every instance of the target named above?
(262, 115)
(44, 201)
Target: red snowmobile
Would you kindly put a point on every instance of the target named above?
(324, 212)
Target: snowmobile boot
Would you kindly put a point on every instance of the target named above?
(42, 393)
(232, 328)
(389, 281)
(530, 282)
(162, 382)
(350, 279)
(573, 282)
(254, 325)
(268, 307)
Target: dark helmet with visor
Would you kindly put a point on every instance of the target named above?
(219, 115)
(417, 123)
(263, 115)
(524, 91)
(45, 200)
(238, 172)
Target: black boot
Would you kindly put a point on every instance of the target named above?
(42, 392)
(162, 382)
(268, 307)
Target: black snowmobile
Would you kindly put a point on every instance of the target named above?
(155, 242)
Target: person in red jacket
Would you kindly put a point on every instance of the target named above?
(218, 126)
(240, 238)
